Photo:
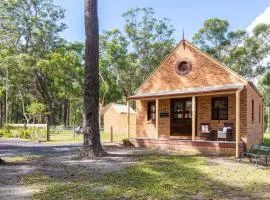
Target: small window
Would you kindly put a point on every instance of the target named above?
(151, 114)
(220, 108)
(259, 113)
(183, 68)
(252, 111)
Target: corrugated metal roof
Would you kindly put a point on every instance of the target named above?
(197, 90)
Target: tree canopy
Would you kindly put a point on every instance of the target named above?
(38, 65)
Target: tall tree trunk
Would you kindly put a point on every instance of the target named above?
(42, 89)
(23, 108)
(65, 114)
(91, 145)
(68, 113)
(60, 116)
(1, 113)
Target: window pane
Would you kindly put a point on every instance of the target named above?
(215, 114)
(153, 107)
(178, 107)
(151, 111)
(220, 108)
(223, 114)
(153, 116)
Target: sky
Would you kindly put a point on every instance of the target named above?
(184, 14)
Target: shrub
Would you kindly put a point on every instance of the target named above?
(25, 134)
(6, 133)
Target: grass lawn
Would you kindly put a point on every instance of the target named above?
(61, 136)
(267, 140)
(157, 176)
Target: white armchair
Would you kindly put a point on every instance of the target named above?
(225, 133)
(222, 133)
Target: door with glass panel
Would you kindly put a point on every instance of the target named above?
(181, 117)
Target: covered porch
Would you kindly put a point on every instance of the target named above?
(191, 119)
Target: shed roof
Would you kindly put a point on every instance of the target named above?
(197, 90)
(120, 108)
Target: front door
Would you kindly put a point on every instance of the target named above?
(181, 117)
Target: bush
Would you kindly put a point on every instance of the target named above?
(6, 133)
(33, 133)
(25, 134)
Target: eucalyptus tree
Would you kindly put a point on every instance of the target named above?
(128, 57)
(150, 39)
(91, 144)
(212, 37)
(32, 28)
(237, 49)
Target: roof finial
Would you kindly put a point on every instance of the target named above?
(183, 34)
(183, 38)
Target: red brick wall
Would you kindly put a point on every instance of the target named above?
(146, 129)
(164, 123)
(204, 73)
(254, 128)
(119, 122)
(204, 112)
(227, 148)
(204, 115)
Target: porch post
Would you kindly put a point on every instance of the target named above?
(157, 118)
(128, 119)
(237, 124)
(193, 117)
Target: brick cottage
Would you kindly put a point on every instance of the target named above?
(193, 102)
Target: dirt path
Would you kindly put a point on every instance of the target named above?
(24, 157)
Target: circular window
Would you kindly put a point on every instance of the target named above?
(182, 68)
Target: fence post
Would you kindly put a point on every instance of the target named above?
(74, 132)
(48, 129)
(24, 124)
(111, 134)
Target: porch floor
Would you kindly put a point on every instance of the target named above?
(200, 146)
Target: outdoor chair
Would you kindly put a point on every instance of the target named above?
(225, 133)
(205, 130)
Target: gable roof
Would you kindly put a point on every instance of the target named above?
(120, 108)
(185, 43)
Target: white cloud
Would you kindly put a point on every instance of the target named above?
(262, 18)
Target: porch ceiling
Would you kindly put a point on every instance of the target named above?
(189, 91)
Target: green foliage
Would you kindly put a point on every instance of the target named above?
(245, 54)
(264, 85)
(38, 64)
(262, 30)
(212, 37)
(36, 111)
(267, 140)
(25, 134)
(33, 133)
(6, 133)
(127, 58)
(30, 26)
